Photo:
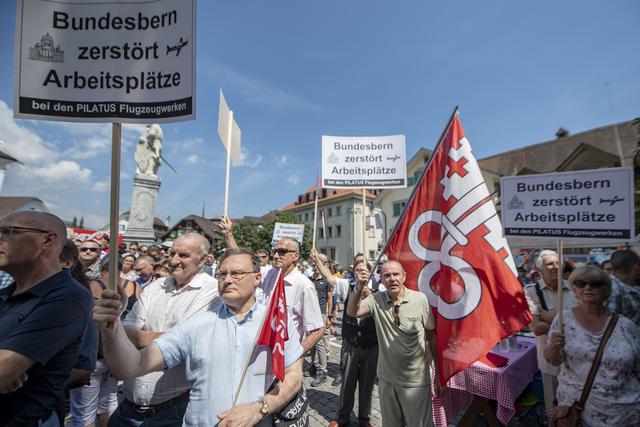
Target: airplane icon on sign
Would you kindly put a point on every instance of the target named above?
(394, 158)
(178, 47)
(611, 202)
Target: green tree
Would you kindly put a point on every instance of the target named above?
(74, 223)
(256, 236)
(81, 225)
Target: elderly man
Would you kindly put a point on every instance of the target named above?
(542, 298)
(162, 397)
(404, 324)
(202, 342)
(43, 317)
(302, 299)
(144, 270)
(90, 258)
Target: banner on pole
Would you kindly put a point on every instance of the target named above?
(125, 61)
(280, 230)
(364, 162)
(224, 114)
(583, 204)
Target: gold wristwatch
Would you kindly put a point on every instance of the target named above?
(264, 407)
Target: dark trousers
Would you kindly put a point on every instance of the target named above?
(168, 416)
(358, 367)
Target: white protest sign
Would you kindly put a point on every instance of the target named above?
(127, 61)
(280, 230)
(364, 162)
(578, 205)
(224, 115)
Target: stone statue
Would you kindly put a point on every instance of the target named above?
(149, 150)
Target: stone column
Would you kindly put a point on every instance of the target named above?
(143, 209)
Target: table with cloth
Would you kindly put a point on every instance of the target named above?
(471, 389)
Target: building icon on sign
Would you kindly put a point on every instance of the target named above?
(515, 203)
(45, 51)
(333, 159)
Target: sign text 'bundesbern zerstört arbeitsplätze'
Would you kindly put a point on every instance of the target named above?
(581, 204)
(128, 61)
(364, 162)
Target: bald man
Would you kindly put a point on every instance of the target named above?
(404, 325)
(43, 317)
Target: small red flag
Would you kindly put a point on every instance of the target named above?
(274, 330)
(450, 243)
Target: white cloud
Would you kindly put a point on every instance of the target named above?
(246, 160)
(293, 179)
(282, 160)
(193, 159)
(62, 173)
(20, 141)
(101, 186)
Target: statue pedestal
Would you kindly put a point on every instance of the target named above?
(143, 209)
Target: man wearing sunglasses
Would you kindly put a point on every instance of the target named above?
(542, 297)
(90, 258)
(302, 299)
(43, 317)
(404, 324)
(162, 397)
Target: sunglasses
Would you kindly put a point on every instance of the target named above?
(88, 249)
(7, 232)
(282, 251)
(583, 283)
(396, 314)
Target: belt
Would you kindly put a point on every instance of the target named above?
(151, 410)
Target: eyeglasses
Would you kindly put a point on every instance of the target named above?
(88, 249)
(281, 251)
(396, 314)
(583, 283)
(7, 232)
(235, 275)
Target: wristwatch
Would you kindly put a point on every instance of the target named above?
(264, 407)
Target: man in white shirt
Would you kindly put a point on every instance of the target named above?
(163, 304)
(301, 295)
(542, 298)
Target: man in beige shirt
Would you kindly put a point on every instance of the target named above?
(405, 325)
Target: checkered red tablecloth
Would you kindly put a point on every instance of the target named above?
(503, 385)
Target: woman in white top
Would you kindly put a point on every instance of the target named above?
(614, 399)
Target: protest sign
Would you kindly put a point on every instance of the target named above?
(280, 230)
(110, 61)
(577, 205)
(364, 162)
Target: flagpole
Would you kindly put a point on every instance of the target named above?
(560, 283)
(324, 233)
(415, 188)
(315, 214)
(116, 137)
(364, 226)
(226, 188)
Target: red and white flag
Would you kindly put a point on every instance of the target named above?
(450, 243)
(274, 330)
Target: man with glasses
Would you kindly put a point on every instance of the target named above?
(143, 268)
(90, 258)
(213, 345)
(265, 266)
(43, 317)
(133, 249)
(162, 397)
(405, 324)
(359, 352)
(300, 293)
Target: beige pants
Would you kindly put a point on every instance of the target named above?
(549, 386)
(404, 406)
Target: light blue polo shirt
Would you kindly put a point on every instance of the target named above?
(214, 345)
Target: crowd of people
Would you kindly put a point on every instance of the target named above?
(181, 327)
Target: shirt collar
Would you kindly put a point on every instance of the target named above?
(543, 284)
(195, 283)
(228, 313)
(403, 300)
(40, 289)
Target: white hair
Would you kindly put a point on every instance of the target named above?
(542, 254)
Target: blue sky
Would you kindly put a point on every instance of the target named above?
(294, 70)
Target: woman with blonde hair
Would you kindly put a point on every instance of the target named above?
(614, 397)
